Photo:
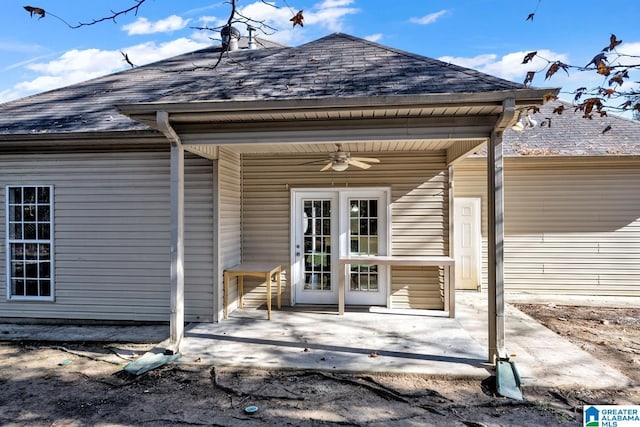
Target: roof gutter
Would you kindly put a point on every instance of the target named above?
(162, 122)
(508, 115)
(176, 320)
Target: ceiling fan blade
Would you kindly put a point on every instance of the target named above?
(326, 167)
(315, 162)
(359, 164)
(366, 159)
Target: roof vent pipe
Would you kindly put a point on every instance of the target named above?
(230, 36)
(252, 40)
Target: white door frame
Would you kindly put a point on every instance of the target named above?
(340, 227)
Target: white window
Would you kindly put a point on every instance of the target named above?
(30, 243)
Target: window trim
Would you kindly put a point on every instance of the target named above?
(50, 241)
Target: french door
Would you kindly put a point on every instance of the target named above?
(331, 223)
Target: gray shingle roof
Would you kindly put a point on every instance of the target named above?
(338, 65)
(572, 135)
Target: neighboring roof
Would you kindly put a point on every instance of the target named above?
(338, 65)
(570, 134)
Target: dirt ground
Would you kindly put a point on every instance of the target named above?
(45, 384)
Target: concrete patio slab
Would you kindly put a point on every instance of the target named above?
(357, 341)
(414, 342)
(543, 358)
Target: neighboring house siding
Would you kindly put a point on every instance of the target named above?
(572, 226)
(112, 234)
(419, 196)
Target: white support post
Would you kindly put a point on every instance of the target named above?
(495, 243)
(495, 247)
(450, 272)
(177, 246)
(176, 280)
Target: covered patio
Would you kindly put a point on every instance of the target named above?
(261, 130)
(407, 342)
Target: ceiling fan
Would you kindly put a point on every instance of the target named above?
(340, 160)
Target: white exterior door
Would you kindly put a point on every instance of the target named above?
(327, 224)
(467, 236)
(315, 247)
(364, 221)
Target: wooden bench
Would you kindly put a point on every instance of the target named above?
(447, 263)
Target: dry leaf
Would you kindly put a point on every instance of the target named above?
(529, 57)
(601, 57)
(613, 42)
(529, 78)
(553, 68)
(35, 11)
(603, 69)
(297, 19)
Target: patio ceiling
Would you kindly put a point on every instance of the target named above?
(361, 124)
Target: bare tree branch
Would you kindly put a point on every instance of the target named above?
(113, 15)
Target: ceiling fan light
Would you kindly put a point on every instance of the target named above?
(339, 166)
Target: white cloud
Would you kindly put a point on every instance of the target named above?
(330, 14)
(509, 66)
(333, 3)
(374, 37)
(430, 18)
(630, 49)
(144, 26)
(212, 21)
(25, 62)
(9, 94)
(76, 66)
(326, 15)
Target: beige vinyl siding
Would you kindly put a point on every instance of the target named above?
(198, 239)
(229, 205)
(571, 226)
(419, 223)
(111, 238)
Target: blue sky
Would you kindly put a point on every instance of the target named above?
(489, 35)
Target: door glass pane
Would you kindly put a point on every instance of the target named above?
(317, 245)
(363, 240)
